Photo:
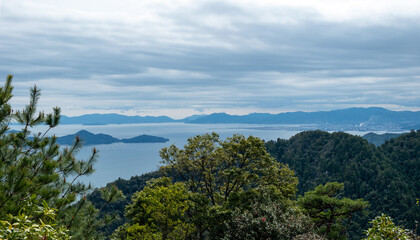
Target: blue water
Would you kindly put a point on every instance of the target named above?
(124, 160)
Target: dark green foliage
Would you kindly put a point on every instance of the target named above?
(34, 164)
(375, 174)
(404, 153)
(384, 176)
(217, 168)
(159, 211)
(379, 139)
(330, 214)
(219, 179)
(128, 188)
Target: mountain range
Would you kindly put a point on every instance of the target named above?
(373, 118)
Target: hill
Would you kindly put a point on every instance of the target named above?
(386, 176)
(89, 138)
(379, 139)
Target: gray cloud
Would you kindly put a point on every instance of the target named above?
(211, 55)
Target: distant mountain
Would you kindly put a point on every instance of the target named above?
(89, 138)
(192, 118)
(103, 119)
(379, 139)
(361, 118)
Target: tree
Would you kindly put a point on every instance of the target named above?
(224, 175)
(384, 228)
(328, 211)
(34, 169)
(158, 212)
(27, 226)
(217, 168)
(35, 164)
(265, 219)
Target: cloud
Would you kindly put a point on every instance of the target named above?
(186, 56)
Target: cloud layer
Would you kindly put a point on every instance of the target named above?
(177, 58)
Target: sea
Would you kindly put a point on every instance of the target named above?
(124, 160)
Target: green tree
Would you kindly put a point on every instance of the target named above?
(224, 175)
(328, 212)
(158, 212)
(219, 168)
(34, 222)
(33, 167)
(384, 228)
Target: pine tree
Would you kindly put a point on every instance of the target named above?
(35, 170)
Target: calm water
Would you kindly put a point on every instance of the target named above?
(122, 160)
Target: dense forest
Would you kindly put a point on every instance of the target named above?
(316, 185)
(385, 176)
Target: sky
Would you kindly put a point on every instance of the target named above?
(185, 57)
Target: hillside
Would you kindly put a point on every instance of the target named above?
(379, 139)
(386, 176)
(89, 138)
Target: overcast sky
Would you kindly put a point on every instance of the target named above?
(184, 57)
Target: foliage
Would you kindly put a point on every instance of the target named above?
(384, 228)
(266, 219)
(222, 173)
(84, 219)
(40, 225)
(34, 169)
(404, 153)
(328, 211)
(379, 175)
(128, 188)
(217, 168)
(385, 176)
(158, 212)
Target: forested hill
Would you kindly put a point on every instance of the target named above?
(386, 176)
(89, 138)
(379, 139)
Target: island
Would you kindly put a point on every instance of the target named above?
(89, 138)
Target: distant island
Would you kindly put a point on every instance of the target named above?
(360, 119)
(89, 138)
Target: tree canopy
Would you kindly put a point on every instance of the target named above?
(217, 168)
